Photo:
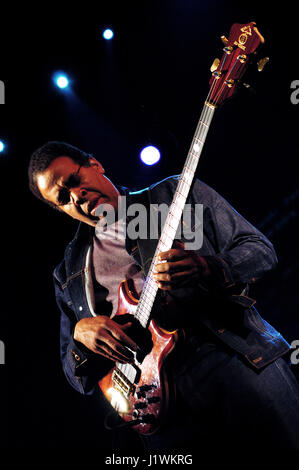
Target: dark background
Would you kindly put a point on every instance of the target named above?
(147, 85)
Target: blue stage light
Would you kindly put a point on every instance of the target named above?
(61, 80)
(2, 146)
(150, 155)
(108, 34)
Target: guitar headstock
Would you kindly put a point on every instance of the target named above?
(241, 45)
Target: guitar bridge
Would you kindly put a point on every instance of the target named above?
(122, 383)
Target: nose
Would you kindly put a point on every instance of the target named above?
(78, 195)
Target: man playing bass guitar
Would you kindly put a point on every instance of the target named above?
(232, 381)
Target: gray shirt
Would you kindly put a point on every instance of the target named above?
(112, 263)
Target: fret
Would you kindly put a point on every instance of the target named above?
(151, 284)
(187, 178)
(149, 296)
(148, 299)
(163, 247)
(194, 154)
(191, 164)
(152, 291)
(203, 123)
(180, 201)
(171, 226)
(173, 215)
(142, 316)
(142, 312)
(145, 317)
(169, 242)
(197, 139)
(184, 188)
(187, 168)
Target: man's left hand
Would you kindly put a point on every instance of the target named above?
(178, 268)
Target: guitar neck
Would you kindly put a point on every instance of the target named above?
(149, 291)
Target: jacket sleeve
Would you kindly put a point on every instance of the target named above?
(82, 367)
(242, 254)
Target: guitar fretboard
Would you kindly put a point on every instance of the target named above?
(149, 291)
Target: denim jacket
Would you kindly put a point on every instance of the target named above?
(237, 255)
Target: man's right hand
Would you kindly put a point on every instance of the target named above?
(106, 337)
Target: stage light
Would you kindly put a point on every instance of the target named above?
(61, 80)
(108, 34)
(150, 155)
(2, 146)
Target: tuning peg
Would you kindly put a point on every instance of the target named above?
(261, 63)
(224, 40)
(214, 65)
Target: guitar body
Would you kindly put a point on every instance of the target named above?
(147, 397)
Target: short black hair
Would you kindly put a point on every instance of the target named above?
(41, 159)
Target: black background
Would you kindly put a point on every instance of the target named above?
(147, 85)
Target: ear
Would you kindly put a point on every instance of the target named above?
(96, 164)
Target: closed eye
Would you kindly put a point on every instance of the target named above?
(73, 181)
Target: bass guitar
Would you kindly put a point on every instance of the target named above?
(140, 392)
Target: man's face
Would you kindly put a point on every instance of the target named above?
(77, 190)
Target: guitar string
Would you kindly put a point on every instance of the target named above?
(206, 114)
(203, 126)
(230, 72)
(223, 60)
(204, 123)
(145, 302)
(219, 92)
(126, 369)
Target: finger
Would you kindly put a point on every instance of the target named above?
(182, 275)
(166, 277)
(105, 351)
(172, 254)
(183, 264)
(169, 282)
(126, 326)
(164, 286)
(177, 267)
(117, 333)
(109, 345)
